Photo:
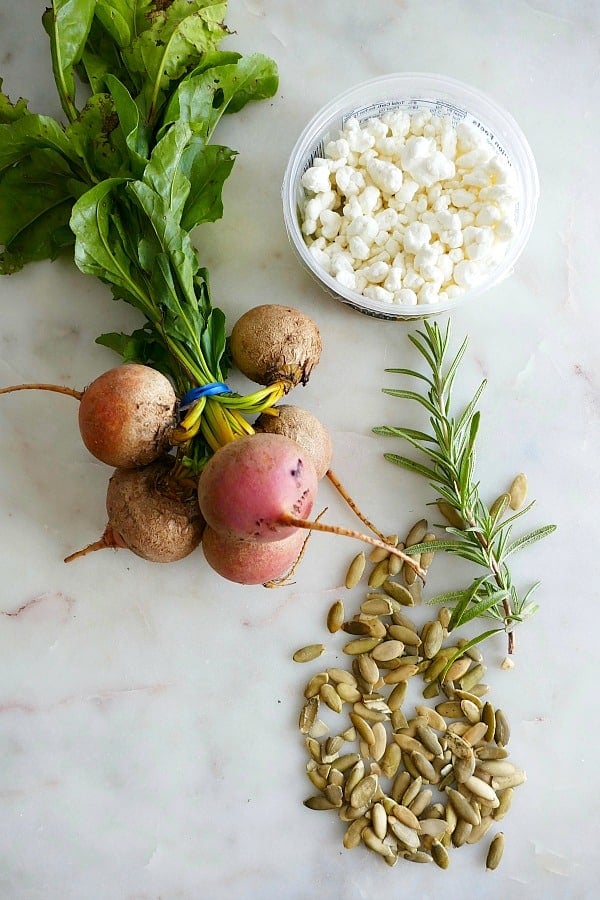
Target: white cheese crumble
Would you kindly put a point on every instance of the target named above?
(406, 208)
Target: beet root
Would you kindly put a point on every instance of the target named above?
(301, 426)
(126, 416)
(150, 514)
(251, 483)
(249, 562)
(272, 343)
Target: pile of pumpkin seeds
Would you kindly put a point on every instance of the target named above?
(407, 788)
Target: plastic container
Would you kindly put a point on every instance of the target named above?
(411, 92)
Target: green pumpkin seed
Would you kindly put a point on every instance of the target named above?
(398, 592)
(518, 491)
(314, 685)
(440, 855)
(335, 616)
(308, 653)
(355, 570)
(360, 645)
(352, 836)
(495, 851)
(319, 802)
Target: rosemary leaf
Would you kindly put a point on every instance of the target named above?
(449, 458)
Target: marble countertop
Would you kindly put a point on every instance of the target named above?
(148, 714)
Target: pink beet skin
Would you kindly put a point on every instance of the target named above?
(250, 484)
(250, 562)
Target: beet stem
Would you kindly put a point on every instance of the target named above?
(40, 386)
(287, 519)
(110, 538)
(96, 545)
(351, 503)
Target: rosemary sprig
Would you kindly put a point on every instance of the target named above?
(477, 533)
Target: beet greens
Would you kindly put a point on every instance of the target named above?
(122, 184)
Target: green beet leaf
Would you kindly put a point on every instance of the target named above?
(178, 35)
(203, 98)
(36, 196)
(67, 23)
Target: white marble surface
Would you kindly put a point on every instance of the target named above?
(148, 739)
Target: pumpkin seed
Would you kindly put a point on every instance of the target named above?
(390, 761)
(421, 801)
(397, 696)
(505, 797)
(395, 563)
(495, 851)
(518, 491)
(333, 793)
(429, 739)
(318, 802)
(410, 575)
(431, 690)
(335, 616)
(347, 692)
(501, 729)
(379, 573)
(496, 767)
(475, 733)
(500, 782)
(379, 820)
(427, 556)
(401, 673)
(346, 761)
(308, 714)
(357, 627)
(330, 697)
(387, 650)
(352, 836)
(424, 767)
(499, 506)
(398, 592)
(376, 606)
(416, 533)
(360, 645)
(491, 751)
(472, 677)
(407, 836)
(356, 774)
(355, 570)
(314, 685)
(398, 718)
(362, 728)
(432, 636)
(341, 676)
(450, 709)
(462, 807)
(463, 768)
(450, 514)
(480, 831)
(364, 791)
(400, 785)
(471, 711)
(378, 553)
(458, 668)
(308, 653)
(419, 856)
(318, 728)
(482, 789)
(440, 855)
(380, 741)
(461, 832)
(372, 842)
(434, 719)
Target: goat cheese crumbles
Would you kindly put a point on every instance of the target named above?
(407, 208)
